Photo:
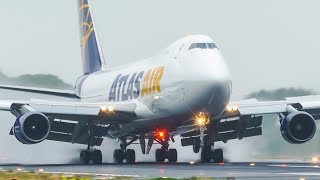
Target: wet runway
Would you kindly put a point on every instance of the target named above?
(262, 170)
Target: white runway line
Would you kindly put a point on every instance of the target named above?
(300, 174)
(296, 166)
(94, 174)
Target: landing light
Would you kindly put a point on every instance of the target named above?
(156, 97)
(202, 119)
(315, 159)
(232, 108)
(252, 164)
(107, 109)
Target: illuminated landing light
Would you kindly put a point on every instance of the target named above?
(252, 164)
(283, 165)
(41, 170)
(107, 109)
(315, 159)
(191, 162)
(302, 178)
(232, 108)
(316, 166)
(156, 97)
(202, 119)
(222, 163)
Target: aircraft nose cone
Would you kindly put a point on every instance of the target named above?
(208, 82)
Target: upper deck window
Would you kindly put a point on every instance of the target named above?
(203, 46)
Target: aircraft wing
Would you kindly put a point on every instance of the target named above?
(310, 104)
(244, 118)
(69, 120)
(44, 91)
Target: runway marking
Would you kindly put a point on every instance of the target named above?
(294, 166)
(94, 174)
(300, 174)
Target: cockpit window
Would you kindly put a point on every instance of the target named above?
(203, 46)
(212, 45)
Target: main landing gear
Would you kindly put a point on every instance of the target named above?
(164, 152)
(119, 155)
(90, 155)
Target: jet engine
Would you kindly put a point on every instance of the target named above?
(31, 128)
(298, 127)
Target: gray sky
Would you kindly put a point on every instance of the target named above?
(267, 44)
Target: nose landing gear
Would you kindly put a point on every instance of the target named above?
(208, 154)
(205, 142)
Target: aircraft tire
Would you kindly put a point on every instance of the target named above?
(160, 155)
(218, 156)
(84, 157)
(118, 156)
(196, 146)
(172, 155)
(206, 154)
(96, 157)
(131, 156)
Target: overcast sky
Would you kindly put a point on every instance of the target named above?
(267, 44)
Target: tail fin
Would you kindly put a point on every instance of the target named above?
(92, 56)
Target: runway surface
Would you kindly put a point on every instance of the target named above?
(262, 170)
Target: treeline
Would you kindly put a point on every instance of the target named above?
(280, 94)
(36, 80)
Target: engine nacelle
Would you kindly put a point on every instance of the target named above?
(31, 128)
(298, 127)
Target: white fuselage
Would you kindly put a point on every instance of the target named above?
(173, 85)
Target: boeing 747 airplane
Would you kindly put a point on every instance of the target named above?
(183, 91)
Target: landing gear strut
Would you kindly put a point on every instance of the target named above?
(90, 154)
(164, 152)
(119, 155)
(205, 143)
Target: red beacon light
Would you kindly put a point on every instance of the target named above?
(161, 134)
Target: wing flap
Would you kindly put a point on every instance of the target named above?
(54, 136)
(225, 136)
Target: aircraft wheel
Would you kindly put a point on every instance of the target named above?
(172, 155)
(84, 157)
(196, 146)
(206, 154)
(160, 155)
(118, 156)
(218, 156)
(131, 156)
(96, 157)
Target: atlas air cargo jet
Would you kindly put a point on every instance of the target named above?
(184, 91)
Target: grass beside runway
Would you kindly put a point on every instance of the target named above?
(11, 175)
(14, 175)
